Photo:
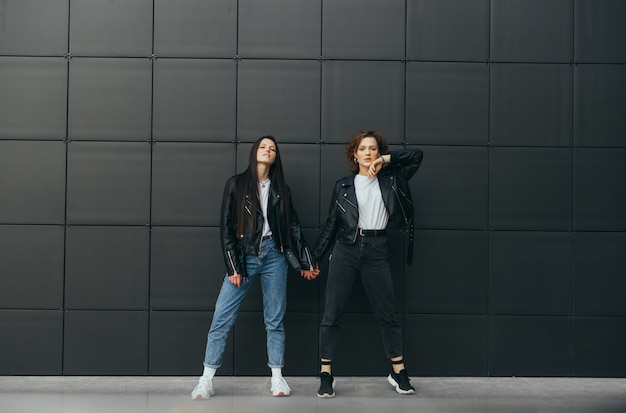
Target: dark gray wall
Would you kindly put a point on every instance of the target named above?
(121, 120)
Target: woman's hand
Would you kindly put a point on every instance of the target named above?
(375, 167)
(235, 280)
(310, 274)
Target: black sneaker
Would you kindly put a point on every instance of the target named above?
(401, 382)
(327, 386)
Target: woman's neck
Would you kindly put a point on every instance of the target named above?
(263, 172)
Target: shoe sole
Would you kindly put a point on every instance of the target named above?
(397, 386)
(199, 397)
(281, 394)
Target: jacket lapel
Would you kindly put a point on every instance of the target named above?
(384, 181)
(273, 200)
(348, 191)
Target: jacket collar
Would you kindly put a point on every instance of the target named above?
(384, 181)
(274, 199)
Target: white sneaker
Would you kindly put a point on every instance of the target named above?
(204, 389)
(280, 387)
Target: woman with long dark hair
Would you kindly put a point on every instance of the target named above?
(363, 203)
(259, 228)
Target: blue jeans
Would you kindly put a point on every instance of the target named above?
(368, 258)
(271, 267)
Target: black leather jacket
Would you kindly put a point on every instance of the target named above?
(234, 246)
(343, 215)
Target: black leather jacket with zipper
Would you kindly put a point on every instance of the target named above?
(234, 246)
(343, 215)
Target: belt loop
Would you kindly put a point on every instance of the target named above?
(361, 232)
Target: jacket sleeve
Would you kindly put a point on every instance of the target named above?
(406, 161)
(228, 230)
(307, 262)
(329, 231)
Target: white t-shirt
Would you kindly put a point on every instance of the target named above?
(264, 194)
(372, 211)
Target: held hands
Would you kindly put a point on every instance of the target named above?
(310, 274)
(375, 167)
(235, 280)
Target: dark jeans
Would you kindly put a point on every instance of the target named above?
(368, 258)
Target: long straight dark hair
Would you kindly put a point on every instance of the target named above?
(248, 184)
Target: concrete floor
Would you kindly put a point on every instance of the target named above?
(70, 394)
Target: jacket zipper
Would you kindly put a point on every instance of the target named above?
(405, 197)
(230, 260)
(348, 201)
(356, 233)
(308, 257)
(340, 207)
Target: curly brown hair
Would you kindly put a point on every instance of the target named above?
(354, 143)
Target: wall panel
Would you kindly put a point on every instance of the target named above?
(188, 182)
(449, 274)
(186, 268)
(295, 34)
(446, 345)
(599, 268)
(455, 30)
(451, 189)
(531, 105)
(447, 103)
(105, 343)
(33, 99)
(280, 98)
(599, 202)
(106, 268)
(108, 183)
(530, 189)
(598, 344)
(32, 342)
(599, 105)
(530, 346)
(530, 273)
(195, 28)
(109, 99)
(194, 100)
(532, 30)
(598, 29)
(362, 95)
(111, 28)
(32, 182)
(356, 30)
(31, 255)
(49, 17)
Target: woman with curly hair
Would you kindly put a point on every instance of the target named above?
(363, 203)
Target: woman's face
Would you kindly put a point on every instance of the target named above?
(267, 152)
(366, 152)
